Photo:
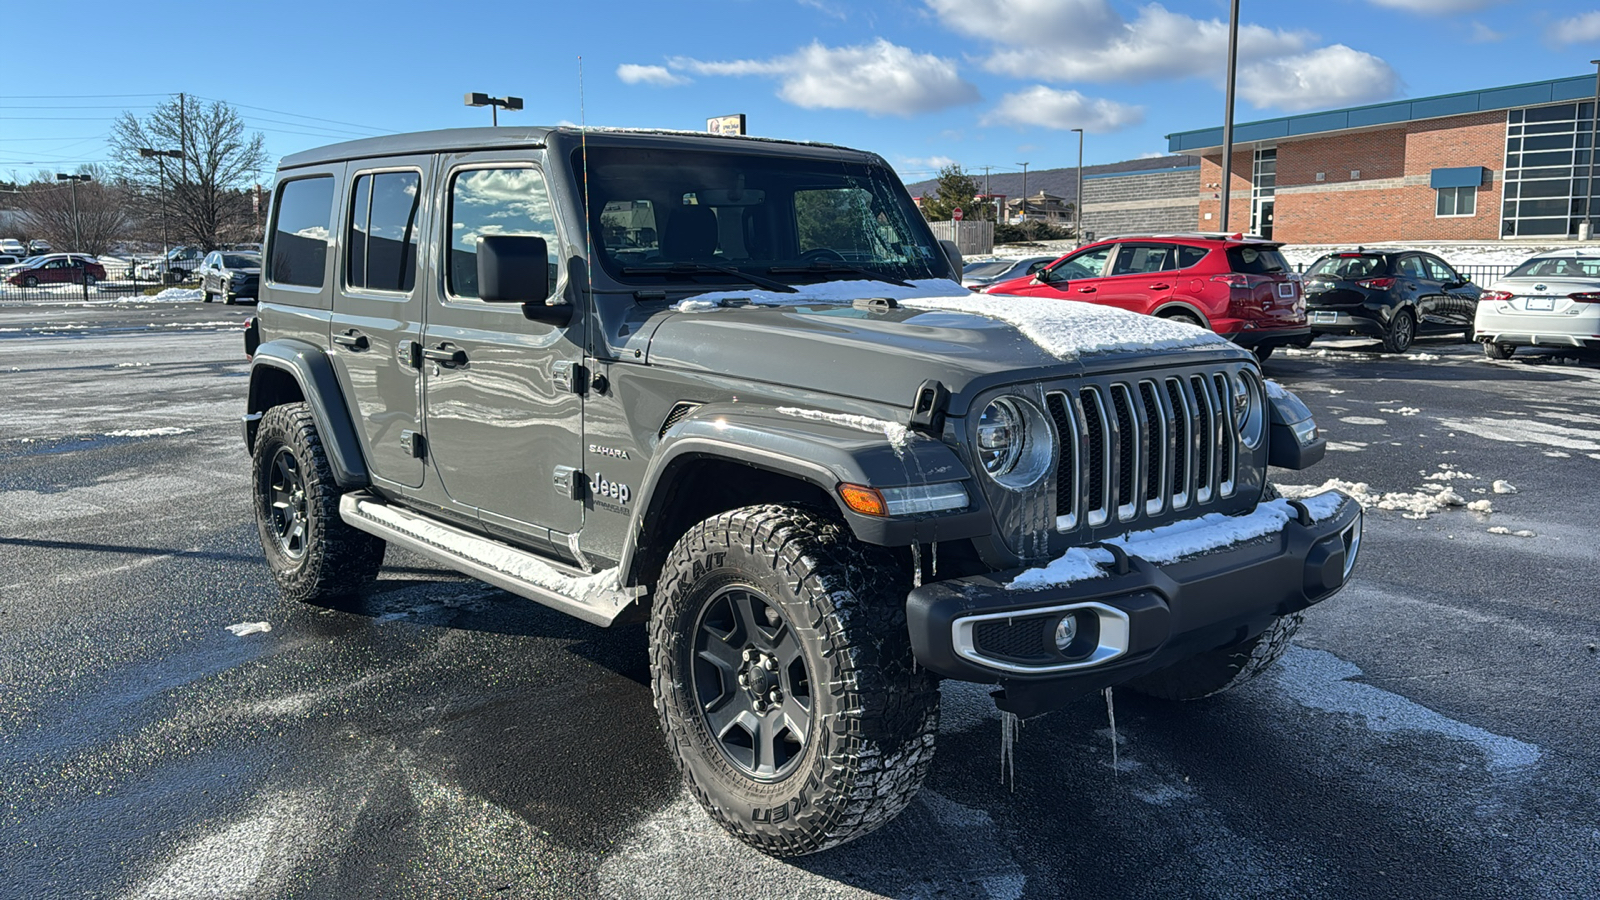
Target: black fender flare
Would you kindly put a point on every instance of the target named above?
(311, 369)
(1182, 306)
(821, 452)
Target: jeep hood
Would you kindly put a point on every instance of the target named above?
(822, 341)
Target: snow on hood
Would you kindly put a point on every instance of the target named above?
(1064, 329)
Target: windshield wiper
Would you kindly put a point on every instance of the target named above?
(830, 266)
(698, 268)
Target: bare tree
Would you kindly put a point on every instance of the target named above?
(87, 216)
(204, 196)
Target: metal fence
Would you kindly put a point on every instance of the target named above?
(1482, 276)
(123, 278)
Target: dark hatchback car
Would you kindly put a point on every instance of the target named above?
(1392, 295)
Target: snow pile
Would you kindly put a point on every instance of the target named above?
(1501, 529)
(1419, 504)
(1179, 540)
(243, 628)
(1402, 411)
(1448, 473)
(1064, 329)
(898, 435)
(175, 294)
(1481, 506)
(1504, 487)
(147, 432)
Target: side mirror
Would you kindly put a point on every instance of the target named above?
(953, 254)
(516, 268)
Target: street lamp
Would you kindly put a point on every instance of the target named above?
(495, 103)
(1077, 205)
(1588, 200)
(160, 157)
(72, 183)
(1227, 113)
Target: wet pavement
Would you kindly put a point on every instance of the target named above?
(1428, 735)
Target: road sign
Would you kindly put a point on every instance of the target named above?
(956, 214)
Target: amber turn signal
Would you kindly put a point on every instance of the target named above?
(865, 500)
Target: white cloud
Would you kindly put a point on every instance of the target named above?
(931, 163)
(827, 9)
(1483, 34)
(878, 78)
(1329, 76)
(1576, 30)
(656, 75)
(1044, 107)
(1086, 40)
(1435, 7)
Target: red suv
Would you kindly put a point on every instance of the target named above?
(1239, 287)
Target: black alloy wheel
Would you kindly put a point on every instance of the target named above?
(1401, 332)
(288, 503)
(751, 683)
(30, 281)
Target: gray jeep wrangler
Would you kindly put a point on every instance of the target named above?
(733, 387)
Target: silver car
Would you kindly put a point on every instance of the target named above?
(976, 275)
(1552, 300)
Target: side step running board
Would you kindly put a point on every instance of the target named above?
(593, 598)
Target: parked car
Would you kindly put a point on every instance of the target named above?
(180, 265)
(1392, 295)
(39, 247)
(13, 247)
(228, 275)
(1552, 300)
(1239, 287)
(980, 274)
(57, 268)
(8, 259)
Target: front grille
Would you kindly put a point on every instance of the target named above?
(1140, 449)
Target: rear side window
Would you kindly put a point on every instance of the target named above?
(496, 201)
(302, 223)
(382, 254)
(1439, 270)
(1411, 267)
(1256, 261)
(1347, 266)
(1190, 256)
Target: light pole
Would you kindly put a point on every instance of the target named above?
(1588, 198)
(72, 184)
(495, 104)
(1077, 203)
(1024, 191)
(161, 156)
(1227, 113)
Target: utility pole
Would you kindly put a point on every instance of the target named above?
(1077, 202)
(1024, 190)
(1227, 114)
(72, 184)
(161, 156)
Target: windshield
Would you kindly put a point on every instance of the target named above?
(1558, 267)
(793, 219)
(1347, 266)
(985, 269)
(241, 262)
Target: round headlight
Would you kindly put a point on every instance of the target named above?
(1014, 443)
(1249, 408)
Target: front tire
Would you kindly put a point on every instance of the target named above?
(1215, 671)
(313, 554)
(784, 679)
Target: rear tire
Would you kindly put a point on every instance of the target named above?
(1185, 318)
(1498, 351)
(313, 554)
(1262, 353)
(784, 679)
(1401, 333)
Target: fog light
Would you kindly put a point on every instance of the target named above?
(1066, 632)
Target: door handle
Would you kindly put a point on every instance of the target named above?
(1087, 290)
(1159, 287)
(353, 339)
(446, 355)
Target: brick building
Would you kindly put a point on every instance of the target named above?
(1509, 162)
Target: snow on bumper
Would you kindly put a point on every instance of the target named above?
(1100, 615)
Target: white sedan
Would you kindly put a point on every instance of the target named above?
(1552, 300)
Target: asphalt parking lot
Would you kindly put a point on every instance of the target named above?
(1430, 734)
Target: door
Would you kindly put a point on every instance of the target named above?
(1415, 283)
(377, 312)
(1140, 278)
(504, 421)
(1076, 277)
(1458, 303)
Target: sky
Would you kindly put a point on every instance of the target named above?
(925, 83)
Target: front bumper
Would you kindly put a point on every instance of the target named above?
(1135, 619)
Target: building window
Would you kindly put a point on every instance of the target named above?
(1547, 155)
(1457, 201)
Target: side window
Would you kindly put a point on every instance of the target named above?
(496, 201)
(382, 254)
(1411, 267)
(1088, 264)
(1135, 259)
(1189, 257)
(1438, 270)
(302, 224)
